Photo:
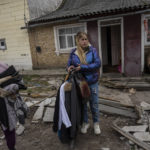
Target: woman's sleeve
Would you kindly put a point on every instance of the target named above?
(93, 66)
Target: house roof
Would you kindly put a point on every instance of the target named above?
(73, 8)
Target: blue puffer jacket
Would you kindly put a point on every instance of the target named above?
(89, 70)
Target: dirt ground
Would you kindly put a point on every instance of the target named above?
(40, 136)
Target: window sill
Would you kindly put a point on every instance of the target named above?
(58, 52)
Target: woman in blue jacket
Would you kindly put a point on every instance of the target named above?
(85, 59)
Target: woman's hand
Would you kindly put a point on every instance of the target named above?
(78, 68)
(70, 68)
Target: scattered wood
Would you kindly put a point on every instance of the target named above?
(45, 102)
(108, 98)
(116, 104)
(32, 103)
(38, 95)
(117, 111)
(127, 83)
(130, 136)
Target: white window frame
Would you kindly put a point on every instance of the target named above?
(56, 35)
(145, 34)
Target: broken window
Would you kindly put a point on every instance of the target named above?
(3, 44)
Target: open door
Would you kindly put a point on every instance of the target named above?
(111, 48)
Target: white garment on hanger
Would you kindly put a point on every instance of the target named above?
(63, 116)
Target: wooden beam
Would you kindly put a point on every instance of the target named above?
(130, 136)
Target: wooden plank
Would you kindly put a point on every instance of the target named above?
(130, 136)
(116, 104)
(45, 102)
(38, 114)
(32, 103)
(117, 111)
(50, 95)
(48, 116)
(108, 98)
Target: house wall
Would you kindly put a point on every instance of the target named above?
(18, 49)
(44, 37)
(132, 45)
(92, 30)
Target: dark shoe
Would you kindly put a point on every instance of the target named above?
(72, 144)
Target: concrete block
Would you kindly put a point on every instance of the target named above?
(143, 136)
(47, 101)
(38, 114)
(145, 106)
(48, 116)
(105, 149)
(31, 103)
(140, 128)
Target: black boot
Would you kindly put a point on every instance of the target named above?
(72, 144)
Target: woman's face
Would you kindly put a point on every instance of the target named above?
(83, 41)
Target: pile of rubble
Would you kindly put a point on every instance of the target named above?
(139, 134)
(138, 83)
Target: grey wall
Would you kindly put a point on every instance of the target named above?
(39, 8)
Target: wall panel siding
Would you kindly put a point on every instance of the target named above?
(92, 29)
(132, 45)
(17, 41)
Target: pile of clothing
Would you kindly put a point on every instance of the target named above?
(12, 106)
(70, 100)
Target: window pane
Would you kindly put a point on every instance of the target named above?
(62, 41)
(78, 29)
(62, 31)
(2, 44)
(70, 41)
(68, 30)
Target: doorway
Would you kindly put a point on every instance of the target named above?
(111, 46)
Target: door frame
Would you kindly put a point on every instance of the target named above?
(122, 40)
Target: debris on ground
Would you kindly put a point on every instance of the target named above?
(114, 102)
(139, 135)
(138, 83)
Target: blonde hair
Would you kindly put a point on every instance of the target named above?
(80, 52)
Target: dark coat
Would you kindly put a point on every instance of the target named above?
(17, 78)
(74, 105)
(3, 113)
